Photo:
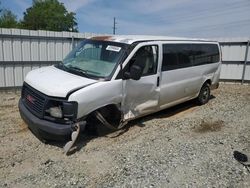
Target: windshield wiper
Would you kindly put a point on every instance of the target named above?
(78, 70)
(61, 66)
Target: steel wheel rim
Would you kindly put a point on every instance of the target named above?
(205, 94)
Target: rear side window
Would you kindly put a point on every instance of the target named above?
(177, 56)
(205, 53)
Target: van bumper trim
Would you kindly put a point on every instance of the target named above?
(43, 129)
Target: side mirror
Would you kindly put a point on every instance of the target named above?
(135, 73)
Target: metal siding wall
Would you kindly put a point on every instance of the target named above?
(51, 50)
(18, 72)
(1, 50)
(34, 50)
(26, 69)
(233, 52)
(248, 55)
(2, 74)
(2, 77)
(247, 73)
(233, 58)
(24, 50)
(231, 71)
(17, 53)
(43, 50)
(9, 76)
(7, 49)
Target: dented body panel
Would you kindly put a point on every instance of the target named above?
(96, 96)
(140, 97)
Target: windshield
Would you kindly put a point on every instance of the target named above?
(94, 58)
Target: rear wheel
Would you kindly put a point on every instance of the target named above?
(204, 94)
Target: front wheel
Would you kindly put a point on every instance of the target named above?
(204, 94)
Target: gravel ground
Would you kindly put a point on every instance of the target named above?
(184, 146)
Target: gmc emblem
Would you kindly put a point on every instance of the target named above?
(31, 99)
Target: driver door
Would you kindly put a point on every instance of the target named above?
(142, 96)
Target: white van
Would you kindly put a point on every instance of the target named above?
(107, 81)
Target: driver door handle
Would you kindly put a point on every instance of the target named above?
(158, 81)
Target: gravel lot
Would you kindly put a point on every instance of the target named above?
(184, 146)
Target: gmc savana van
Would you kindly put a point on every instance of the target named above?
(106, 81)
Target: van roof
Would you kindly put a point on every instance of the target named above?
(129, 39)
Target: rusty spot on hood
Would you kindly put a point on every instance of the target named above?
(105, 38)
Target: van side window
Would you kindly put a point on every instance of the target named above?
(205, 53)
(176, 56)
(149, 57)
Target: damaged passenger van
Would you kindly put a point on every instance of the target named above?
(109, 80)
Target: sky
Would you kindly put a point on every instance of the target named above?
(183, 18)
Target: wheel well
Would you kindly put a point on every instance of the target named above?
(111, 113)
(208, 81)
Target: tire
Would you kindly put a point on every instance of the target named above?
(204, 94)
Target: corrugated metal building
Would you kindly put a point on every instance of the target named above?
(24, 50)
(235, 59)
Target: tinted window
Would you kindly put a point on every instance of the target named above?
(185, 55)
(176, 56)
(205, 53)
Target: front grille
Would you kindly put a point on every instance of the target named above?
(33, 100)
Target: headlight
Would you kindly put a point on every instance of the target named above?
(70, 110)
(55, 112)
(61, 109)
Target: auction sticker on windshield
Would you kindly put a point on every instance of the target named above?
(113, 48)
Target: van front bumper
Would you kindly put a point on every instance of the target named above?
(42, 129)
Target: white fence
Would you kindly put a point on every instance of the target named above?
(24, 50)
(235, 59)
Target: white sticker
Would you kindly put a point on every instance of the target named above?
(113, 48)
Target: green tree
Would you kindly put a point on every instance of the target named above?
(8, 19)
(49, 15)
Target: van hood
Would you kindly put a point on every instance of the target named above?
(55, 82)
